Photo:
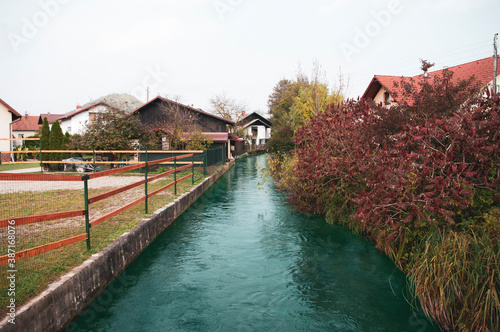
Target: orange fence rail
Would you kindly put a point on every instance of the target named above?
(87, 201)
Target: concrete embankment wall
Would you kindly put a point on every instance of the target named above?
(62, 301)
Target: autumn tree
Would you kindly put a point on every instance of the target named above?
(313, 96)
(178, 126)
(437, 95)
(227, 108)
(113, 130)
(294, 103)
(280, 103)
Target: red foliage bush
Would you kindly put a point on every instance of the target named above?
(332, 149)
(427, 175)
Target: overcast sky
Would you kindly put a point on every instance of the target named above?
(56, 54)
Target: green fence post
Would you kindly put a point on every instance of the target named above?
(146, 184)
(85, 179)
(192, 171)
(41, 157)
(204, 163)
(175, 176)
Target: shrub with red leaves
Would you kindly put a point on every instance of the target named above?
(430, 175)
(332, 150)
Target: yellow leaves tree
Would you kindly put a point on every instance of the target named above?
(314, 96)
(294, 103)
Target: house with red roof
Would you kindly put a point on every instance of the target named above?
(7, 116)
(381, 86)
(50, 118)
(24, 127)
(75, 121)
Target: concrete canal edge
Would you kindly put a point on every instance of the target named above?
(56, 307)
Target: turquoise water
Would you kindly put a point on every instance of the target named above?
(241, 259)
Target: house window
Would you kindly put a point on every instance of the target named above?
(255, 131)
(20, 136)
(92, 116)
(387, 98)
(69, 130)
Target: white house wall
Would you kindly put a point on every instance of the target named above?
(380, 98)
(490, 84)
(24, 133)
(262, 133)
(76, 124)
(5, 121)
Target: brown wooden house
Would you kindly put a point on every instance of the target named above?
(162, 113)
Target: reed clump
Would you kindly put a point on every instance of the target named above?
(456, 276)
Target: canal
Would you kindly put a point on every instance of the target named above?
(241, 259)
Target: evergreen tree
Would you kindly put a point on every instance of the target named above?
(65, 146)
(56, 142)
(45, 136)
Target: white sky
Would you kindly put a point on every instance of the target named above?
(56, 54)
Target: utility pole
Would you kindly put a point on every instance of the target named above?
(495, 61)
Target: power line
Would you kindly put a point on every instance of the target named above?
(406, 63)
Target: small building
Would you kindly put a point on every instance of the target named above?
(237, 145)
(380, 87)
(7, 116)
(162, 115)
(161, 112)
(257, 129)
(24, 127)
(75, 121)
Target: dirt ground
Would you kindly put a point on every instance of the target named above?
(106, 181)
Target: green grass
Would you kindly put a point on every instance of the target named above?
(12, 167)
(35, 273)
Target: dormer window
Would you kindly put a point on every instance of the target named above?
(387, 98)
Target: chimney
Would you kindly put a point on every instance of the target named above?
(243, 113)
(26, 115)
(78, 107)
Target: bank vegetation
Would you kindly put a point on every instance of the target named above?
(420, 180)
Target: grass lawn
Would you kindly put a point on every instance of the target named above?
(4, 167)
(35, 273)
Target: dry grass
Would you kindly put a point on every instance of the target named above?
(457, 279)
